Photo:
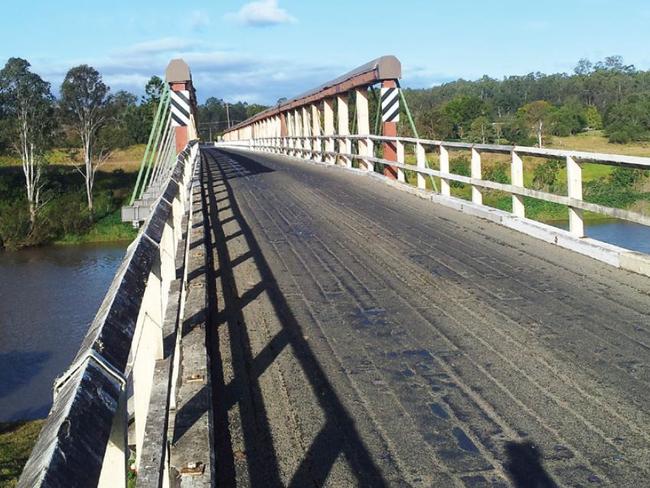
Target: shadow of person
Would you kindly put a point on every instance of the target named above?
(524, 465)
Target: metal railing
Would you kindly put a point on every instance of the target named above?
(321, 148)
(129, 351)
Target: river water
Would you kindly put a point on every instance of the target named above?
(48, 296)
(629, 235)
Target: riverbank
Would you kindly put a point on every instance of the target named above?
(64, 218)
(16, 442)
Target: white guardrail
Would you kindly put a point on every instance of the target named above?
(321, 148)
(128, 360)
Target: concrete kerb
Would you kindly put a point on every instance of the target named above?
(616, 256)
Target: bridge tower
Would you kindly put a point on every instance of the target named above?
(183, 102)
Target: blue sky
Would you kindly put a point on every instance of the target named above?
(262, 50)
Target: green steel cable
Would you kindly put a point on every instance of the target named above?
(415, 133)
(166, 110)
(155, 156)
(378, 126)
(378, 116)
(151, 136)
(160, 153)
(164, 159)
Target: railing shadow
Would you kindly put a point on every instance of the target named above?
(338, 435)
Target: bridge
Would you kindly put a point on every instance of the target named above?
(309, 303)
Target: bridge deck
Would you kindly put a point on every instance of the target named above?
(366, 336)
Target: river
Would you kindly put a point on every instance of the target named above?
(629, 235)
(48, 296)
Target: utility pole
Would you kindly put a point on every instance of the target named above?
(228, 114)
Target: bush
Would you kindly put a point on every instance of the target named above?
(14, 225)
(459, 166)
(629, 120)
(498, 173)
(545, 175)
(625, 177)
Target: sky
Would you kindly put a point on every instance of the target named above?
(259, 51)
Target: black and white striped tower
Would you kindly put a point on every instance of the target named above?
(182, 102)
(390, 104)
(390, 117)
(181, 108)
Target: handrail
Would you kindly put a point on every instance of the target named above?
(84, 437)
(316, 150)
(642, 162)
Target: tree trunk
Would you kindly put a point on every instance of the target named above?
(89, 174)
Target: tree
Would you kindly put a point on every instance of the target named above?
(536, 115)
(481, 130)
(153, 90)
(568, 119)
(593, 117)
(629, 120)
(434, 123)
(28, 107)
(86, 106)
(462, 110)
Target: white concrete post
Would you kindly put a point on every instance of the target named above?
(116, 458)
(574, 184)
(477, 196)
(297, 118)
(317, 144)
(328, 122)
(306, 132)
(445, 189)
(290, 134)
(421, 161)
(363, 126)
(344, 128)
(147, 348)
(517, 179)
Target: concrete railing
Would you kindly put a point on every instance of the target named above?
(124, 369)
(360, 148)
(312, 147)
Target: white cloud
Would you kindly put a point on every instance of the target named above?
(217, 70)
(261, 13)
(158, 46)
(199, 20)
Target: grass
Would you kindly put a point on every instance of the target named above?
(16, 442)
(107, 229)
(595, 141)
(127, 159)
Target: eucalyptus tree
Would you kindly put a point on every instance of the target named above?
(86, 106)
(27, 107)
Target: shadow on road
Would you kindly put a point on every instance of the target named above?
(338, 436)
(524, 465)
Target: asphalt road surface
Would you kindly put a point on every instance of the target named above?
(362, 336)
